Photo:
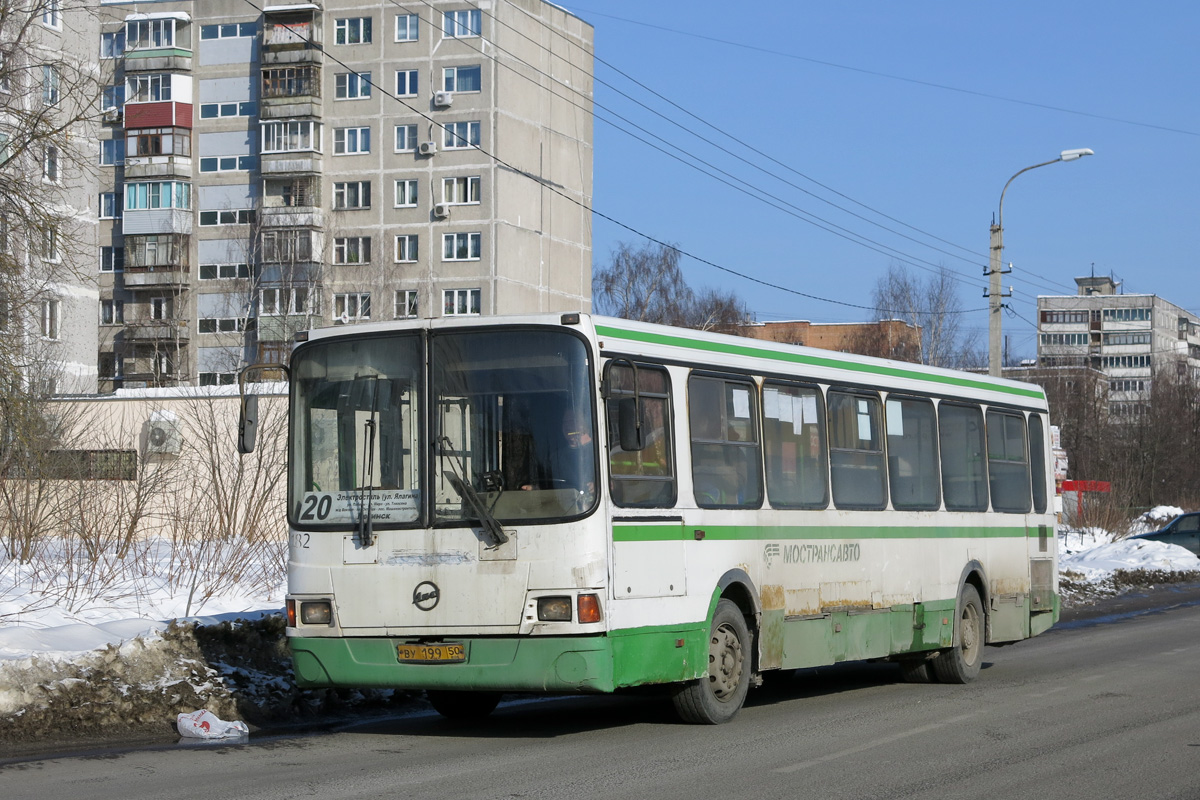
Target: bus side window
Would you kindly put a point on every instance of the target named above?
(913, 473)
(725, 452)
(794, 444)
(964, 464)
(1008, 467)
(856, 451)
(1037, 462)
(643, 478)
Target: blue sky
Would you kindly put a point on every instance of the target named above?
(917, 111)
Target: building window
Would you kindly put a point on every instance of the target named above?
(461, 246)
(112, 152)
(1115, 339)
(1065, 317)
(406, 27)
(148, 88)
(243, 216)
(159, 142)
(352, 250)
(300, 81)
(157, 250)
(221, 325)
(1126, 314)
(406, 193)
(460, 302)
(351, 141)
(211, 272)
(110, 205)
(112, 44)
(406, 138)
(406, 83)
(52, 14)
(51, 83)
(218, 378)
(228, 163)
(158, 194)
(49, 250)
(229, 30)
(351, 307)
(461, 24)
(406, 304)
(112, 259)
(160, 308)
(50, 164)
(460, 135)
(286, 137)
(356, 30)
(406, 248)
(352, 194)
(149, 34)
(51, 318)
(462, 79)
(1061, 339)
(112, 312)
(286, 246)
(461, 191)
(1128, 385)
(112, 97)
(352, 85)
(244, 108)
(277, 301)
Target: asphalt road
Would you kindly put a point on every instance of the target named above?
(1105, 707)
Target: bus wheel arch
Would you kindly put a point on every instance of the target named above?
(962, 661)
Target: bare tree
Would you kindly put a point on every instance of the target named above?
(932, 305)
(646, 284)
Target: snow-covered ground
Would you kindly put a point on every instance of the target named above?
(55, 654)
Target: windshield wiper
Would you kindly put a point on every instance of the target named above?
(492, 532)
(366, 533)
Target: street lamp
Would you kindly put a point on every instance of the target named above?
(994, 268)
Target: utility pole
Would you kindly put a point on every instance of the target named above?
(994, 294)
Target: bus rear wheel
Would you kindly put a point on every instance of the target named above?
(463, 705)
(718, 695)
(961, 663)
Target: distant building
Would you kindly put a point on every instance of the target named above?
(1130, 338)
(889, 338)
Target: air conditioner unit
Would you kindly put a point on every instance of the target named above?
(443, 99)
(112, 115)
(427, 148)
(163, 436)
(441, 210)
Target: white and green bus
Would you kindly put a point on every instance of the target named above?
(571, 503)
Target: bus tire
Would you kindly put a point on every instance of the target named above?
(961, 663)
(916, 670)
(718, 695)
(463, 705)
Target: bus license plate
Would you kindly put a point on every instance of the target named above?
(440, 653)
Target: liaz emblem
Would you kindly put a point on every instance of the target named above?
(426, 595)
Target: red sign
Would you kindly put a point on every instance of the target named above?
(1086, 486)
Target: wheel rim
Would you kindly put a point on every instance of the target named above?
(969, 638)
(725, 662)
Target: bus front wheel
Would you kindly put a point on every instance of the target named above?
(961, 663)
(718, 695)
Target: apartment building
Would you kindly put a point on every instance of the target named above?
(270, 167)
(48, 229)
(1131, 338)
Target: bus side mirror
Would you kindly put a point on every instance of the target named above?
(629, 424)
(248, 424)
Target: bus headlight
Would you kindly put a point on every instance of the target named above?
(316, 612)
(554, 609)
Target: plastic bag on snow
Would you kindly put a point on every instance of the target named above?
(207, 725)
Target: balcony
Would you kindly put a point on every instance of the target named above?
(296, 162)
(156, 277)
(157, 330)
(158, 167)
(158, 59)
(293, 217)
(280, 328)
(157, 220)
(290, 36)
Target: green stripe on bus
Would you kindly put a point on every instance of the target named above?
(813, 361)
(735, 533)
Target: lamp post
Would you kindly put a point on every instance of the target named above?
(994, 268)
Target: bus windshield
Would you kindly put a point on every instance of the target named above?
(512, 423)
(355, 432)
(514, 420)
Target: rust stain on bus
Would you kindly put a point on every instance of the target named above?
(772, 597)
